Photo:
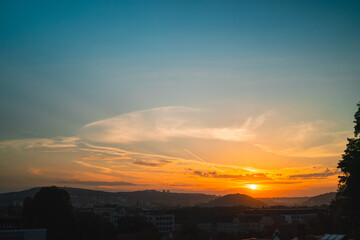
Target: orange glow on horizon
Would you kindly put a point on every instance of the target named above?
(113, 169)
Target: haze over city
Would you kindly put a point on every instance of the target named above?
(188, 96)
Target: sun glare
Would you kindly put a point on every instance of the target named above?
(252, 186)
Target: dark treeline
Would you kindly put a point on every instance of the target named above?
(51, 209)
(346, 207)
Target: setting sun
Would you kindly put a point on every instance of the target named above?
(252, 186)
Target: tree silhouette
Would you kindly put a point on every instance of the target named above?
(51, 209)
(136, 227)
(357, 121)
(348, 195)
(90, 226)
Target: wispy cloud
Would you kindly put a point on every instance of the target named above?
(35, 171)
(102, 157)
(278, 182)
(317, 175)
(161, 124)
(114, 151)
(54, 143)
(269, 131)
(203, 161)
(149, 163)
(318, 138)
(100, 168)
(214, 174)
(97, 183)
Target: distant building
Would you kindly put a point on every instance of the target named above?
(243, 223)
(253, 222)
(10, 223)
(228, 227)
(165, 223)
(299, 218)
(209, 227)
(84, 206)
(115, 216)
(333, 237)
(23, 234)
(104, 210)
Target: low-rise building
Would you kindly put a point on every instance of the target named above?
(299, 218)
(243, 223)
(23, 234)
(115, 216)
(165, 223)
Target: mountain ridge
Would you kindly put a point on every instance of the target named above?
(233, 200)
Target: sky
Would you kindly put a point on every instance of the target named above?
(217, 97)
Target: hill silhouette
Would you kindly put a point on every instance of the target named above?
(147, 197)
(321, 199)
(158, 198)
(238, 199)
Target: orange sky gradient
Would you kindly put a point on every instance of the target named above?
(182, 153)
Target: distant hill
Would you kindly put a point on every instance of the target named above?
(236, 200)
(145, 198)
(166, 198)
(19, 196)
(285, 201)
(152, 198)
(323, 199)
(300, 201)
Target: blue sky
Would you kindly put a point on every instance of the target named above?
(65, 64)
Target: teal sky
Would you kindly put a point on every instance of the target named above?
(65, 64)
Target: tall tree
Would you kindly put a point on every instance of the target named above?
(51, 209)
(348, 195)
(357, 121)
